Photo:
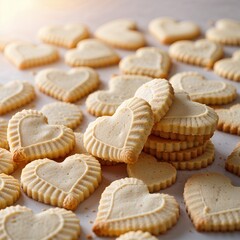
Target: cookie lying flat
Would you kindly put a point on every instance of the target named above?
(121, 33)
(66, 36)
(122, 136)
(121, 88)
(67, 86)
(15, 94)
(211, 202)
(226, 31)
(91, 53)
(168, 30)
(148, 61)
(154, 213)
(26, 55)
(30, 137)
(3, 133)
(203, 52)
(232, 163)
(9, 191)
(229, 67)
(204, 91)
(138, 235)
(7, 165)
(19, 222)
(4, 41)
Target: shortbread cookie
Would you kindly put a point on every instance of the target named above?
(229, 119)
(121, 88)
(211, 202)
(203, 52)
(148, 61)
(226, 31)
(15, 94)
(4, 41)
(7, 165)
(138, 235)
(154, 213)
(67, 86)
(168, 30)
(66, 114)
(122, 136)
(63, 184)
(199, 162)
(204, 91)
(91, 53)
(30, 137)
(25, 55)
(9, 191)
(232, 163)
(229, 67)
(121, 33)
(19, 222)
(3, 133)
(66, 36)
(156, 175)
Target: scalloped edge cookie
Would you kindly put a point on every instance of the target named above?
(3, 133)
(232, 163)
(138, 235)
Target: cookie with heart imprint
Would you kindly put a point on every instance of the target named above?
(168, 30)
(67, 86)
(138, 235)
(26, 55)
(202, 53)
(18, 222)
(3, 133)
(211, 202)
(121, 33)
(202, 90)
(7, 165)
(226, 31)
(66, 36)
(31, 137)
(148, 61)
(232, 163)
(120, 137)
(91, 53)
(154, 213)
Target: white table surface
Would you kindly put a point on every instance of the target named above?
(22, 19)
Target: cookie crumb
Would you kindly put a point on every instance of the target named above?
(89, 236)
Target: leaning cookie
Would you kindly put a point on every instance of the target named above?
(3, 133)
(138, 235)
(7, 165)
(232, 163)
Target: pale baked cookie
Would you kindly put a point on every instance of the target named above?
(203, 52)
(226, 31)
(7, 165)
(15, 94)
(19, 222)
(64, 184)
(26, 55)
(204, 91)
(154, 213)
(66, 36)
(3, 133)
(232, 163)
(211, 202)
(91, 53)
(148, 61)
(30, 137)
(67, 86)
(122, 136)
(121, 88)
(9, 191)
(229, 67)
(168, 30)
(121, 33)
(66, 114)
(138, 235)
(4, 41)
(156, 175)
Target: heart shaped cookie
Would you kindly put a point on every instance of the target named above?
(19, 222)
(121, 33)
(203, 52)
(154, 213)
(229, 67)
(63, 35)
(211, 202)
(15, 94)
(63, 184)
(148, 61)
(121, 88)
(67, 86)
(138, 235)
(204, 91)
(25, 55)
(7, 165)
(226, 31)
(232, 163)
(91, 53)
(30, 137)
(122, 136)
(3, 133)
(168, 30)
